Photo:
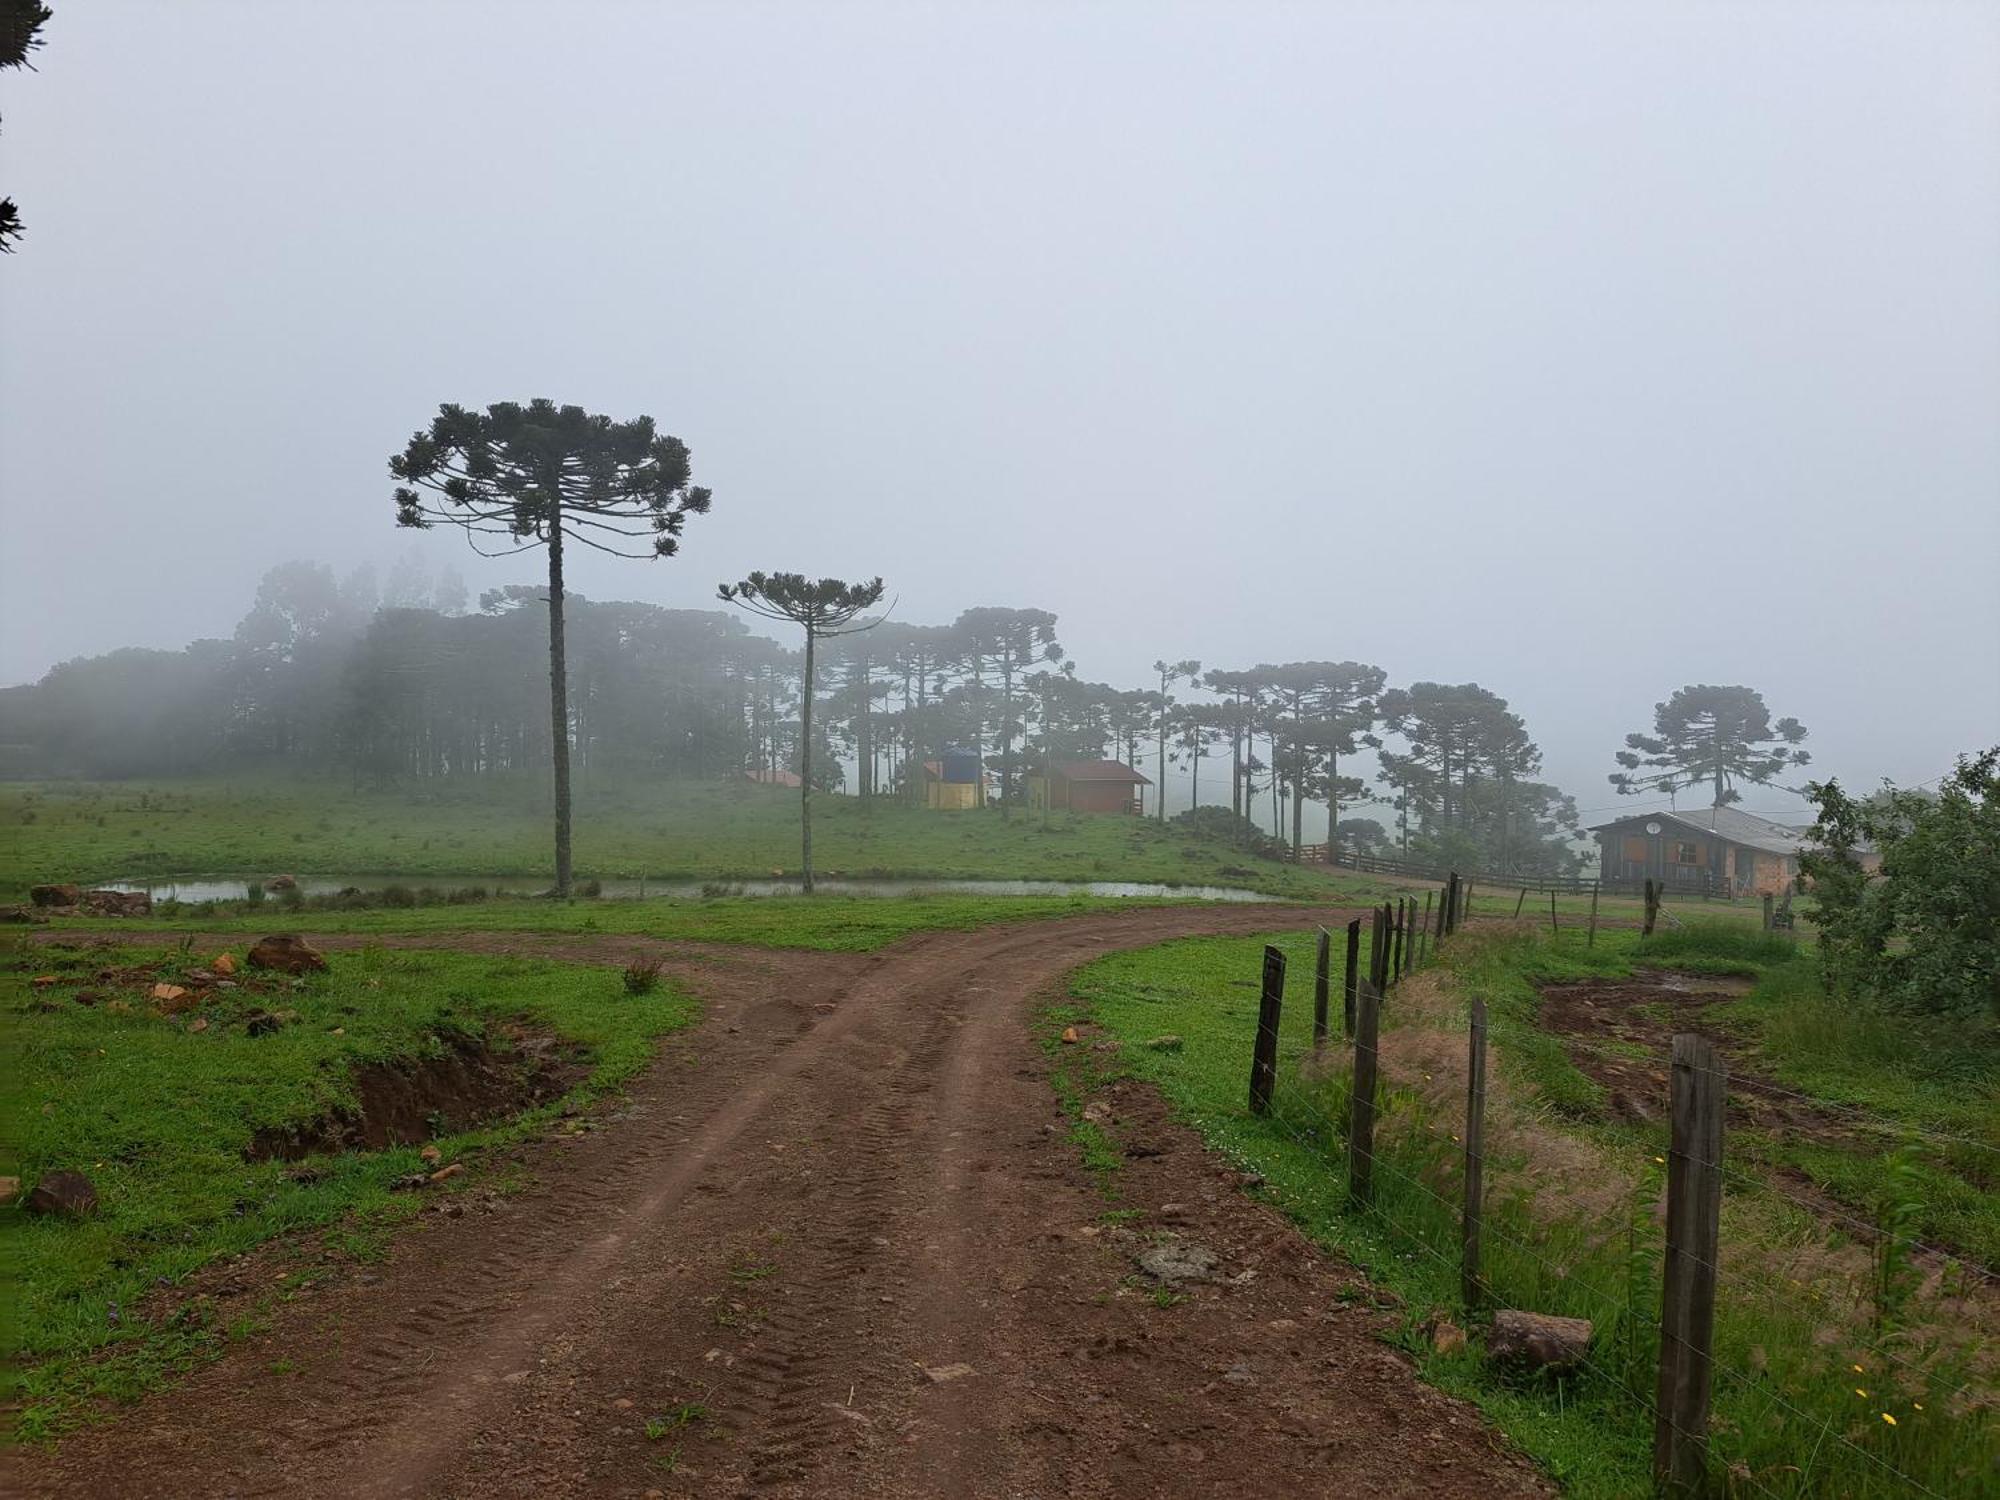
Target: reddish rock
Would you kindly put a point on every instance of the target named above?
(67, 1193)
(55, 895)
(172, 999)
(286, 953)
(282, 883)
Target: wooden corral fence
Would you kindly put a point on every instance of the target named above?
(1701, 886)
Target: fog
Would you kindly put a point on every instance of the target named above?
(1581, 351)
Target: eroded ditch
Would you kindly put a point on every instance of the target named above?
(475, 1078)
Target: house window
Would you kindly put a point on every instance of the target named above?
(1686, 853)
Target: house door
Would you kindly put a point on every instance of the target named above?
(1746, 870)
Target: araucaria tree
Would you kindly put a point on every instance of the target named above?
(537, 476)
(1717, 735)
(21, 23)
(1163, 705)
(1321, 710)
(1008, 643)
(826, 607)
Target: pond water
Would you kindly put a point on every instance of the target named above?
(232, 887)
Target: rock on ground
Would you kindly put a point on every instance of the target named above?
(1538, 1339)
(70, 1194)
(287, 953)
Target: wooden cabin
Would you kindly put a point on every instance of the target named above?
(1088, 786)
(1717, 850)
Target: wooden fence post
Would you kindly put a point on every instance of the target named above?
(1465, 906)
(1593, 918)
(1451, 903)
(1475, 1155)
(1379, 951)
(1376, 946)
(1523, 901)
(1424, 932)
(1361, 1109)
(1397, 939)
(1652, 909)
(1322, 958)
(1767, 910)
(1687, 1307)
(1353, 977)
(1264, 1061)
(1552, 913)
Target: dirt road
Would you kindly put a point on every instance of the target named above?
(835, 1243)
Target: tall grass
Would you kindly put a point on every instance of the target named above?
(1813, 1396)
(1712, 942)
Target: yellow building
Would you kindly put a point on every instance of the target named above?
(953, 783)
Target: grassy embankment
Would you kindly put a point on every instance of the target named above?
(158, 1111)
(625, 828)
(1817, 1392)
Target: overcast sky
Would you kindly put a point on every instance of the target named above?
(1583, 351)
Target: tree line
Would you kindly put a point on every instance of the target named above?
(403, 683)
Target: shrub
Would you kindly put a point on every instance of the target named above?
(1226, 827)
(398, 895)
(1924, 934)
(642, 976)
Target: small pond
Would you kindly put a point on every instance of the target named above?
(232, 887)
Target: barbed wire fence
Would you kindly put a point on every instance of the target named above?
(1656, 1328)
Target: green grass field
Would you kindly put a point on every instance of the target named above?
(158, 1112)
(845, 924)
(1806, 1366)
(625, 828)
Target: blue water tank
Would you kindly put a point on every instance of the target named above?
(961, 767)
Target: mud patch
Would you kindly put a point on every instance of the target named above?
(475, 1078)
(1621, 1035)
(1623, 1031)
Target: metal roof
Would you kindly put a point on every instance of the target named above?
(1100, 770)
(1727, 823)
